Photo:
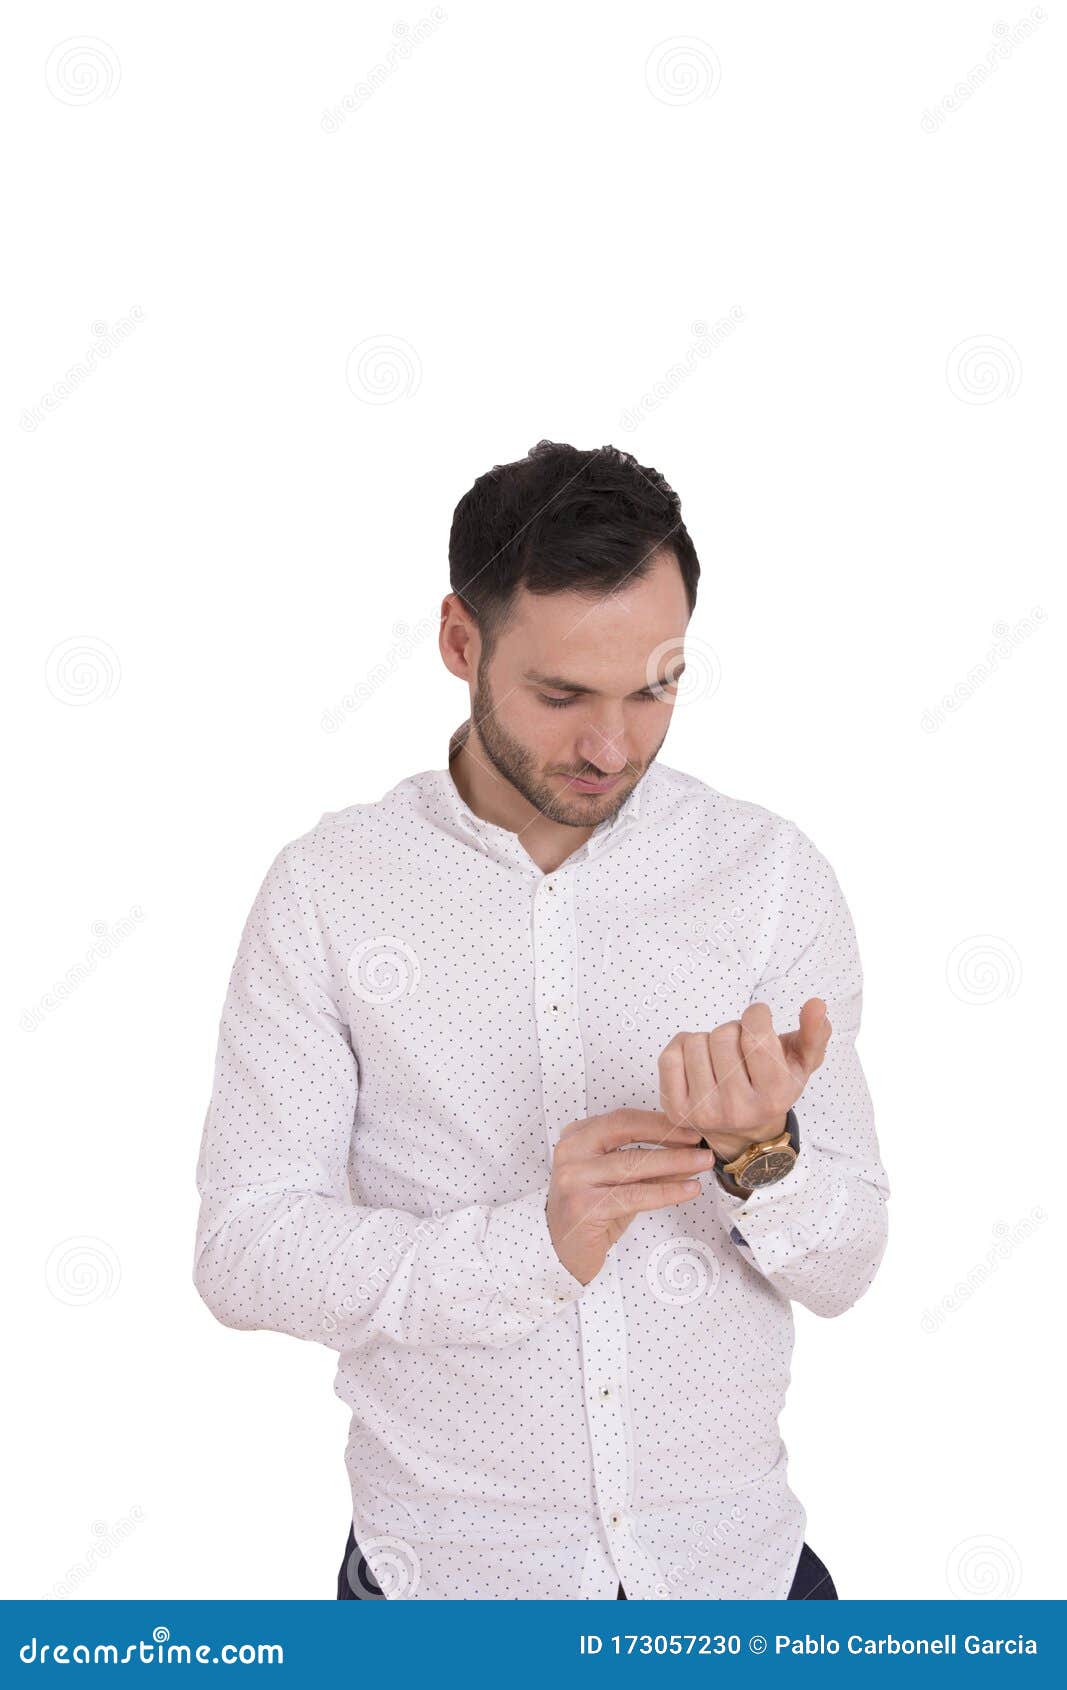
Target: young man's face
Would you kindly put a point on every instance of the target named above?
(568, 708)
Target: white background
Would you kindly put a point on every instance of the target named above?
(230, 517)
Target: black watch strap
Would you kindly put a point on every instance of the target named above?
(792, 1127)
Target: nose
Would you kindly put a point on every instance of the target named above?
(605, 751)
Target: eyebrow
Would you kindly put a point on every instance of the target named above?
(561, 683)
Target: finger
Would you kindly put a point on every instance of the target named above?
(813, 1035)
(764, 1056)
(621, 1126)
(673, 1091)
(628, 1165)
(702, 1099)
(735, 1090)
(631, 1199)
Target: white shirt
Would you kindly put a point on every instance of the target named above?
(415, 1013)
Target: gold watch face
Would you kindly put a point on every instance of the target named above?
(765, 1169)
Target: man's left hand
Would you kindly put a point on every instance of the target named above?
(737, 1084)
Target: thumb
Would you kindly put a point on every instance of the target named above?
(811, 1040)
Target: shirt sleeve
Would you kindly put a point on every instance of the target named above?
(819, 1234)
(280, 1245)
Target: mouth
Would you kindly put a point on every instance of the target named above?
(604, 784)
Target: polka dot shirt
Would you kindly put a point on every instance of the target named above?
(415, 1013)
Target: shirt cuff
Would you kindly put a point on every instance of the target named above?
(768, 1207)
(522, 1256)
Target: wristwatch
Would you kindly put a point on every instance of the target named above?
(759, 1164)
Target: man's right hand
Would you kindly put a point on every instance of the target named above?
(601, 1180)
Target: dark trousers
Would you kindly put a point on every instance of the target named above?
(355, 1582)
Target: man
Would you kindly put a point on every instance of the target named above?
(503, 1107)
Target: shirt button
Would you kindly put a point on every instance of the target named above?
(605, 1390)
(616, 1519)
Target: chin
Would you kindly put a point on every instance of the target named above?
(594, 806)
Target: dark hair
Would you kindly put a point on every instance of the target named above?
(562, 520)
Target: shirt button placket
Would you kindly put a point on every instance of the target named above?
(600, 1311)
(559, 1037)
(604, 1370)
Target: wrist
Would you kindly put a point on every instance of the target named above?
(728, 1144)
(748, 1169)
(774, 1130)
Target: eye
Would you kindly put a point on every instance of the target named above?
(649, 696)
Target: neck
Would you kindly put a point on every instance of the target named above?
(485, 791)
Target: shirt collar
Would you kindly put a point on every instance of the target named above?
(627, 815)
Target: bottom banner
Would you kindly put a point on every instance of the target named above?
(540, 1643)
